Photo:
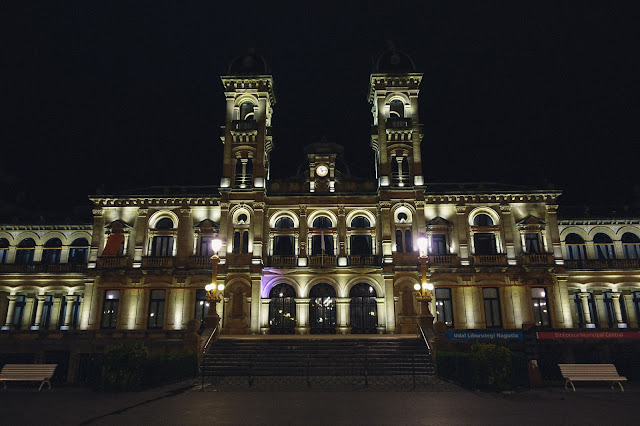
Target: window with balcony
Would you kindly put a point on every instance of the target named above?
(247, 111)
(484, 237)
(360, 236)
(396, 109)
(25, 251)
(532, 242)
(51, 251)
(322, 236)
(444, 306)
(162, 244)
(284, 238)
(156, 309)
(603, 246)
(541, 307)
(404, 232)
(78, 251)
(110, 309)
(492, 315)
(438, 244)
(576, 248)
(630, 246)
(4, 250)
(241, 225)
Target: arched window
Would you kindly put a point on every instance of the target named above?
(4, 250)
(163, 241)
(25, 251)
(282, 309)
(630, 246)
(284, 238)
(361, 237)
(396, 109)
(576, 249)
(322, 236)
(363, 309)
(322, 309)
(484, 240)
(246, 111)
(51, 251)
(603, 246)
(404, 233)
(78, 251)
(241, 233)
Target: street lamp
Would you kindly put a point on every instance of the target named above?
(212, 319)
(425, 288)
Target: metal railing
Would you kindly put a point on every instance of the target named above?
(603, 264)
(42, 267)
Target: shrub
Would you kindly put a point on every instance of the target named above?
(455, 366)
(491, 366)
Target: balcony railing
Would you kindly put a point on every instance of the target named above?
(499, 259)
(410, 258)
(244, 125)
(157, 262)
(239, 259)
(603, 264)
(538, 259)
(200, 262)
(322, 261)
(398, 123)
(283, 261)
(363, 260)
(443, 260)
(113, 262)
(42, 268)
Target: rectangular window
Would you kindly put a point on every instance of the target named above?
(202, 305)
(162, 246)
(576, 252)
(75, 311)
(610, 309)
(540, 307)
(399, 245)
(531, 243)
(283, 245)
(604, 251)
(51, 256)
(635, 297)
(580, 312)
(438, 244)
(78, 255)
(24, 256)
(484, 243)
(4, 255)
(493, 318)
(18, 312)
(156, 309)
(205, 246)
(444, 306)
(47, 306)
(110, 309)
(317, 246)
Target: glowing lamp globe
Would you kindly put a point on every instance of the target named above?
(416, 287)
(422, 244)
(216, 243)
(209, 287)
(428, 286)
(220, 287)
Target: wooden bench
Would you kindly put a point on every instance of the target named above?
(590, 373)
(27, 373)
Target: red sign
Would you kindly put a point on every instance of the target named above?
(588, 334)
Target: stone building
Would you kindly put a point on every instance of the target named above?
(321, 252)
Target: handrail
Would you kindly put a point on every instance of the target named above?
(205, 347)
(426, 341)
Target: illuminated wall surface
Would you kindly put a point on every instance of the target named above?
(323, 252)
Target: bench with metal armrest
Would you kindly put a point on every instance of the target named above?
(27, 373)
(591, 373)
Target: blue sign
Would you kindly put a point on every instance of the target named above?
(483, 335)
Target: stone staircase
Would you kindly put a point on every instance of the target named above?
(403, 362)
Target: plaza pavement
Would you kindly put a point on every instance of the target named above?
(184, 403)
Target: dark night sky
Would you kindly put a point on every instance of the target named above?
(127, 94)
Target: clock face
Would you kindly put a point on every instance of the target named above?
(322, 170)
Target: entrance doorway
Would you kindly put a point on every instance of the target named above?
(282, 309)
(363, 309)
(322, 309)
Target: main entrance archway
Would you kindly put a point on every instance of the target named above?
(363, 309)
(322, 309)
(282, 309)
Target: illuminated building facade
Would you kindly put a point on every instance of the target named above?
(322, 252)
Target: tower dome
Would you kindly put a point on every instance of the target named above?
(392, 60)
(251, 63)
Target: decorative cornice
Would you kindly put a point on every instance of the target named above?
(154, 201)
(78, 227)
(496, 197)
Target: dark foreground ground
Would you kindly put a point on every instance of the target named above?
(184, 403)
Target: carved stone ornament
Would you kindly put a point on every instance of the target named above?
(505, 208)
(461, 209)
(225, 206)
(385, 204)
(259, 205)
(143, 212)
(98, 212)
(341, 210)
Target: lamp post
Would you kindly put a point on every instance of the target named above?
(425, 288)
(212, 319)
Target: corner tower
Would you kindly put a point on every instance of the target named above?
(396, 133)
(248, 89)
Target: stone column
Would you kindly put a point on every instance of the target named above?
(67, 313)
(28, 313)
(508, 229)
(584, 296)
(342, 315)
(302, 313)
(617, 311)
(390, 312)
(342, 233)
(256, 307)
(10, 309)
(302, 256)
